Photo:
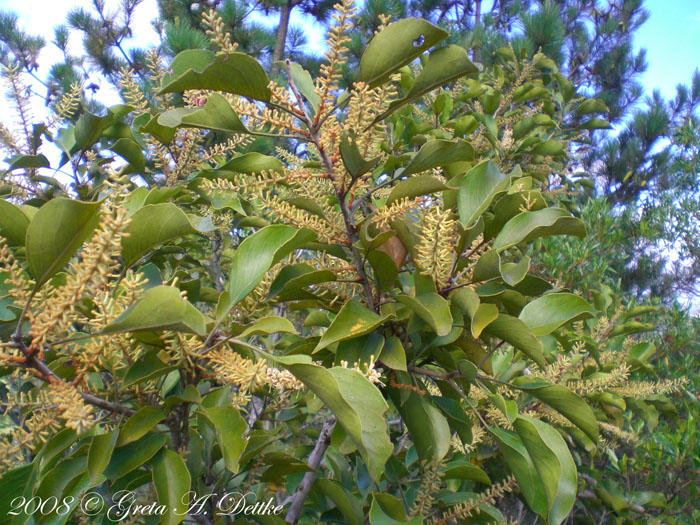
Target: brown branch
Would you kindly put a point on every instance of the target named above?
(297, 500)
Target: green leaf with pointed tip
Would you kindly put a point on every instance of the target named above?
(564, 401)
(513, 273)
(171, 479)
(478, 189)
(426, 425)
(146, 367)
(523, 469)
(248, 163)
(596, 123)
(547, 313)
(517, 333)
(393, 354)
(160, 308)
(352, 158)
(269, 325)
(151, 226)
(100, 452)
(432, 308)
(414, 187)
(358, 404)
(439, 153)
(554, 464)
(353, 320)
(235, 73)
(348, 505)
(485, 314)
(465, 470)
(388, 510)
(131, 456)
(140, 424)
(163, 134)
(529, 225)
(18, 162)
(131, 152)
(591, 105)
(57, 230)
(444, 65)
(395, 46)
(256, 255)
(13, 223)
(217, 114)
(230, 427)
(305, 84)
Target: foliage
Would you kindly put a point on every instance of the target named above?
(193, 317)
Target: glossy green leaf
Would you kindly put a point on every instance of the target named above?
(353, 320)
(547, 313)
(529, 225)
(18, 162)
(395, 46)
(269, 325)
(415, 186)
(517, 333)
(513, 273)
(56, 232)
(484, 315)
(160, 308)
(304, 84)
(140, 424)
(564, 401)
(151, 226)
(230, 427)
(131, 456)
(256, 255)
(247, 163)
(171, 480)
(466, 470)
(348, 505)
(393, 354)
(352, 159)
(426, 424)
(388, 510)
(554, 465)
(432, 308)
(358, 404)
(13, 224)
(521, 464)
(439, 153)
(236, 73)
(444, 65)
(478, 189)
(100, 453)
(217, 114)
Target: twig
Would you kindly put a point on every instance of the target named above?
(297, 500)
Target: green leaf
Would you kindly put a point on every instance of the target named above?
(393, 354)
(269, 325)
(439, 153)
(547, 313)
(56, 232)
(230, 427)
(131, 456)
(388, 510)
(151, 226)
(148, 366)
(256, 255)
(485, 314)
(131, 152)
(517, 333)
(478, 189)
(591, 105)
(217, 114)
(140, 424)
(352, 158)
(529, 225)
(444, 65)
(13, 223)
(395, 46)
(100, 453)
(163, 134)
(358, 404)
(235, 73)
(520, 463)
(432, 308)
(247, 163)
(513, 273)
(564, 401)
(171, 480)
(18, 162)
(415, 186)
(353, 320)
(465, 470)
(160, 308)
(304, 83)
(428, 428)
(348, 505)
(554, 464)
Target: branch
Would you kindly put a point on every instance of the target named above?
(324, 440)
